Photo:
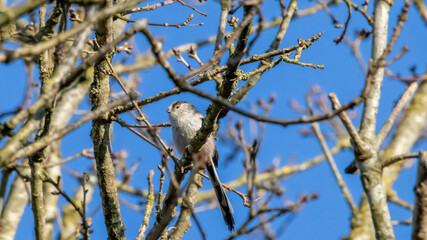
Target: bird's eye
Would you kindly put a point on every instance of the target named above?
(177, 106)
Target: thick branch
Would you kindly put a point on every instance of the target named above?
(419, 218)
(15, 204)
(101, 134)
(8, 15)
(379, 44)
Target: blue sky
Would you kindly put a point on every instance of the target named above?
(324, 218)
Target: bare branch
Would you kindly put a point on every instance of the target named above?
(15, 204)
(8, 15)
(392, 160)
(358, 142)
(419, 219)
(341, 37)
(345, 191)
(401, 103)
(422, 9)
(60, 38)
(43, 142)
(149, 205)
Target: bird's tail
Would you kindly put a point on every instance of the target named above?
(224, 203)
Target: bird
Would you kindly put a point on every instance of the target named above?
(186, 121)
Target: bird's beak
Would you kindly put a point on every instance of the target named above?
(169, 110)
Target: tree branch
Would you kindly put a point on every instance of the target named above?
(419, 219)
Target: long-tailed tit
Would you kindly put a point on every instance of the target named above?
(186, 121)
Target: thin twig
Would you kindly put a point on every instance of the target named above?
(395, 159)
(149, 205)
(243, 230)
(297, 62)
(401, 103)
(246, 201)
(184, 4)
(57, 185)
(358, 142)
(362, 11)
(341, 37)
(340, 181)
(392, 197)
(398, 56)
(148, 7)
(85, 224)
(160, 125)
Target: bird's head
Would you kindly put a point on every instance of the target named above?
(181, 109)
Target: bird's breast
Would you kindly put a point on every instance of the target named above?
(183, 129)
